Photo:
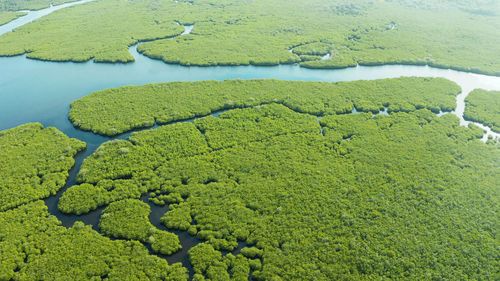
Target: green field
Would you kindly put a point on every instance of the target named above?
(457, 34)
(114, 111)
(484, 107)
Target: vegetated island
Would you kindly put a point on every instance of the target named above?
(483, 107)
(34, 164)
(114, 111)
(408, 195)
(317, 34)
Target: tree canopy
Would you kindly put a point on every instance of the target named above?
(129, 219)
(448, 34)
(113, 111)
(401, 196)
(484, 107)
(34, 246)
(285, 184)
(34, 163)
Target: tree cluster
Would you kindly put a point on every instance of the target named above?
(446, 34)
(34, 246)
(407, 195)
(483, 107)
(34, 163)
(113, 111)
(129, 219)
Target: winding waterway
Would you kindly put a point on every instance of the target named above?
(40, 91)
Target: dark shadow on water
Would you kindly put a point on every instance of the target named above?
(67, 220)
(187, 241)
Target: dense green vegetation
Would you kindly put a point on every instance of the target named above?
(168, 142)
(208, 262)
(11, 9)
(483, 107)
(234, 128)
(129, 219)
(16, 5)
(113, 111)
(33, 246)
(457, 34)
(402, 196)
(113, 37)
(34, 163)
(5, 17)
(408, 195)
(481, 7)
